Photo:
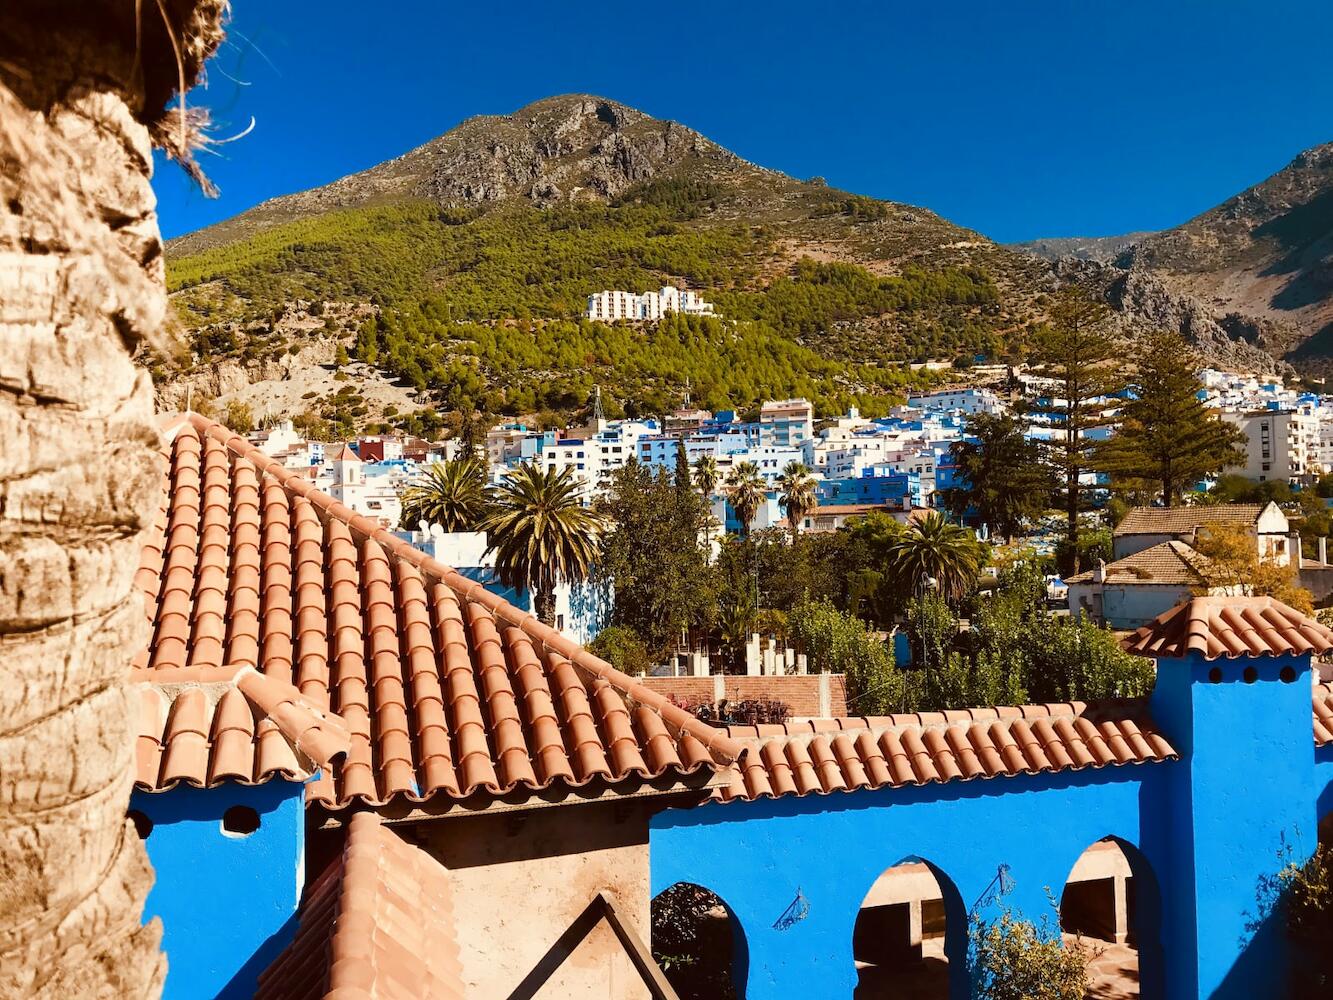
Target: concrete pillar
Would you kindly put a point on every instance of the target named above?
(719, 687)
(1323, 549)
(768, 661)
(825, 696)
(914, 934)
(752, 656)
(802, 663)
(1297, 556)
(1121, 914)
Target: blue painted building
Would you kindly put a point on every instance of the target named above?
(224, 758)
(1203, 821)
(899, 489)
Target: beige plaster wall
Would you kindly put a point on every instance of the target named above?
(522, 879)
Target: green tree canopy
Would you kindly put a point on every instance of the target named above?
(1082, 357)
(935, 549)
(1167, 436)
(449, 494)
(1007, 479)
(653, 557)
(541, 533)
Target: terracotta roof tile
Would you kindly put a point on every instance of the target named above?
(915, 750)
(1185, 520)
(1230, 626)
(1170, 563)
(378, 924)
(206, 725)
(446, 691)
(1323, 714)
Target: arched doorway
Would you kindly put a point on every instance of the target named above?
(910, 924)
(1111, 900)
(698, 943)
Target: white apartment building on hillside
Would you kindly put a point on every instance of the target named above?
(619, 305)
(1279, 444)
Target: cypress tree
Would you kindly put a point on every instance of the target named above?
(1167, 436)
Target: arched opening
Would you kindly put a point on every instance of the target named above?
(699, 943)
(910, 926)
(1111, 900)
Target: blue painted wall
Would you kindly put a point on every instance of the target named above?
(1243, 797)
(1201, 834)
(227, 902)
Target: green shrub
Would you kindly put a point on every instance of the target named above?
(1014, 959)
(622, 648)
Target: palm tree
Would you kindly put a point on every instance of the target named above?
(541, 533)
(451, 494)
(82, 476)
(796, 493)
(935, 549)
(706, 476)
(746, 491)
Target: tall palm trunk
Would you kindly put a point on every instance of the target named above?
(81, 283)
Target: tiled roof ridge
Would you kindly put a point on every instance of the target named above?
(950, 746)
(193, 730)
(377, 923)
(720, 747)
(1187, 558)
(1098, 707)
(1188, 516)
(1230, 626)
(1323, 713)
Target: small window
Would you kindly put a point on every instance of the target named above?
(240, 821)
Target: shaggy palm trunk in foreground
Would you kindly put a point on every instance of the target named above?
(81, 283)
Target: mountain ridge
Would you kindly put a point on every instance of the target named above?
(420, 265)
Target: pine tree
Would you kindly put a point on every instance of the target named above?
(1081, 356)
(1006, 478)
(1167, 436)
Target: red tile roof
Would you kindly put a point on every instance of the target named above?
(448, 691)
(826, 755)
(378, 924)
(1170, 563)
(206, 725)
(1186, 520)
(1323, 714)
(1230, 626)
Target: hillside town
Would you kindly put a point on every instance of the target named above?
(568, 558)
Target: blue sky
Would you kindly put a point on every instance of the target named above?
(1018, 118)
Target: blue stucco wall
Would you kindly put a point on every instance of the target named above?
(227, 902)
(1243, 801)
(757, 855)
(1201, 833)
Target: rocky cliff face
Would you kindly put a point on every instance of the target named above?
(1144, 302)
(1261, 261)
(563, 148)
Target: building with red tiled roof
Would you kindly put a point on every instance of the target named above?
(491, 807)
(223, 756)
(455, 704)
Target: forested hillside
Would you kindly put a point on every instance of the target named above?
(476, 303)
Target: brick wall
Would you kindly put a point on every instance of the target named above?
(802, 691)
